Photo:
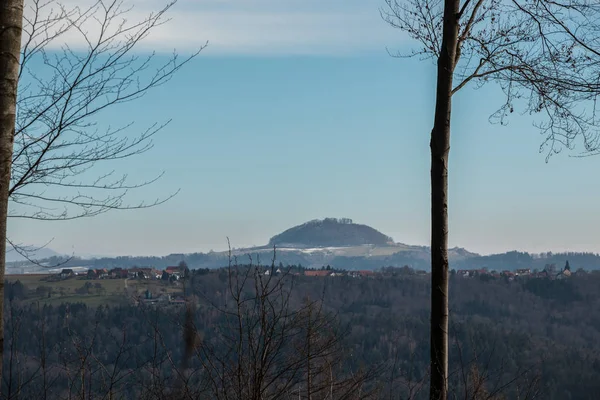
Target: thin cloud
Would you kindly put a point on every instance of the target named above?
(258, 27)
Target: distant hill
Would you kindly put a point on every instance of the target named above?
(515, 259)
(366, 257)
(330, 232)
(32, 253)
(339, 243)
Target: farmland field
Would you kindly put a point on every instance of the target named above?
(47, 289)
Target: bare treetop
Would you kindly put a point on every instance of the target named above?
(544, 54)
(62, 93)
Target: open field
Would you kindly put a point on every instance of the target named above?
(111, 292)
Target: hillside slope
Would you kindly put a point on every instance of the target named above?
(330, 232)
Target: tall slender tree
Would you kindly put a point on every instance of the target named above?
(11, 26)
(544, 55)
(51, 94)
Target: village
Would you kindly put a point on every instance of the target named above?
(175, 273)
(167, 287)
(550, 271)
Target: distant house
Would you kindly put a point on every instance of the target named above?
(566, 273)
(146, 273)
(362, 274)
(92, 274)
(100, 273)
(66, 273)
(139, 273)
(117, 273)
(509, 275)
(174, 271)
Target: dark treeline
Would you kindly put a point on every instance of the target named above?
(364, 337)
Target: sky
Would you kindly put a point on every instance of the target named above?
(296, 111)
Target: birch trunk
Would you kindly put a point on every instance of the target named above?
(11, 23)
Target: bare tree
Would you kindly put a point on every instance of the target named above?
(402, 383)
(269, 346)
(544, 54)
(483, 374)
(11, 16)
(62, 93)
(50, 138)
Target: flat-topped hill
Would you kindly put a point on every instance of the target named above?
(330, 232)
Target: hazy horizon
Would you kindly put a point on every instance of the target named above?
(74, 252)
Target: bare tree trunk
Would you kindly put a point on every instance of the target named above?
(11, 23)
(440, 148)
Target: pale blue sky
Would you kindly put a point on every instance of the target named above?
(292, 114)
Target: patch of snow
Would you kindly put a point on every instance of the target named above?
(310, 250)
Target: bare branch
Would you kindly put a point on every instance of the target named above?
(545, 56)
(59, 140)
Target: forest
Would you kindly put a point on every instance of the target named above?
(253, 332)
(307, 337)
